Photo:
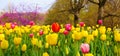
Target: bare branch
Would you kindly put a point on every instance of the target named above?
(110, 15)
(93, 2)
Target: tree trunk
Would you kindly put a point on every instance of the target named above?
(100, 13)
(75, 19)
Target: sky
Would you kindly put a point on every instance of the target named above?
(43, 4)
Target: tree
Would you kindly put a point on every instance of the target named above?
(101, 4)
(68, 6)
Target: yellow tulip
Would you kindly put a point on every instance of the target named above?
(78, 54)
(17, 40)
(2, 37)
(77, 35)
(88, 28)
(8, 25)
(24, 47)
(40, 44)
(95, 33)
(1, 31)
(67, 51)
(62, 30)
(89, 38)
(45, 54)
(84, 33)
(34, 41)
(4, 44)
(52, 38)
(46, 45)
(97, 25)
(89, 54)
(103, 37)
(102, 30)
(108, 29)
(77, 29)
(117, 36)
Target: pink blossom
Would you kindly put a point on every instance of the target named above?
(31, 35)
(85, 48)
(81, 24)
(65, 32)
(100, 22)
(68, 27)
(41, 32)
(13, 26)
(31, 23)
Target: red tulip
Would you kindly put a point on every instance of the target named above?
(66, 32)
(81, 24)
(31, 35)
(31, 23)
(85, 48)
(100, 22)
(55, 27)
(68, 27)
(41, 32)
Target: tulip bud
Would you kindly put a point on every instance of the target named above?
(85, 48)
(41, 32)
(81, 24)
(24, 47)
(66, 32)
(12, 26)
(100, 22)
(31, 23)
(31, 35)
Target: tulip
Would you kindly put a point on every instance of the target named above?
(12, 26)
(85, 48)
(77, 35)
(31, 23)
(52, 38)
(17, 41)
(103, 37)
(55, 27)
(66, 32)
(68, 27)
(15, 23)
(89, 54)
(45, 54)
(100, 22)
(8, 25)
(41, 32)
(46, 45)
(81, 24)
(2, 37)
(31, 35)
(24, 47)
(34, 41)
(4, 44)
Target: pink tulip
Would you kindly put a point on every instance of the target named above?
(13, 26)
(100, 22)
(31, 23)
(31, 35)
(41, 32)
(81, 24)
(66, 32)
(85, 48)
(15, 23)
(68, 27)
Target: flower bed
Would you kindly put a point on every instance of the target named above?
(58, 40)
